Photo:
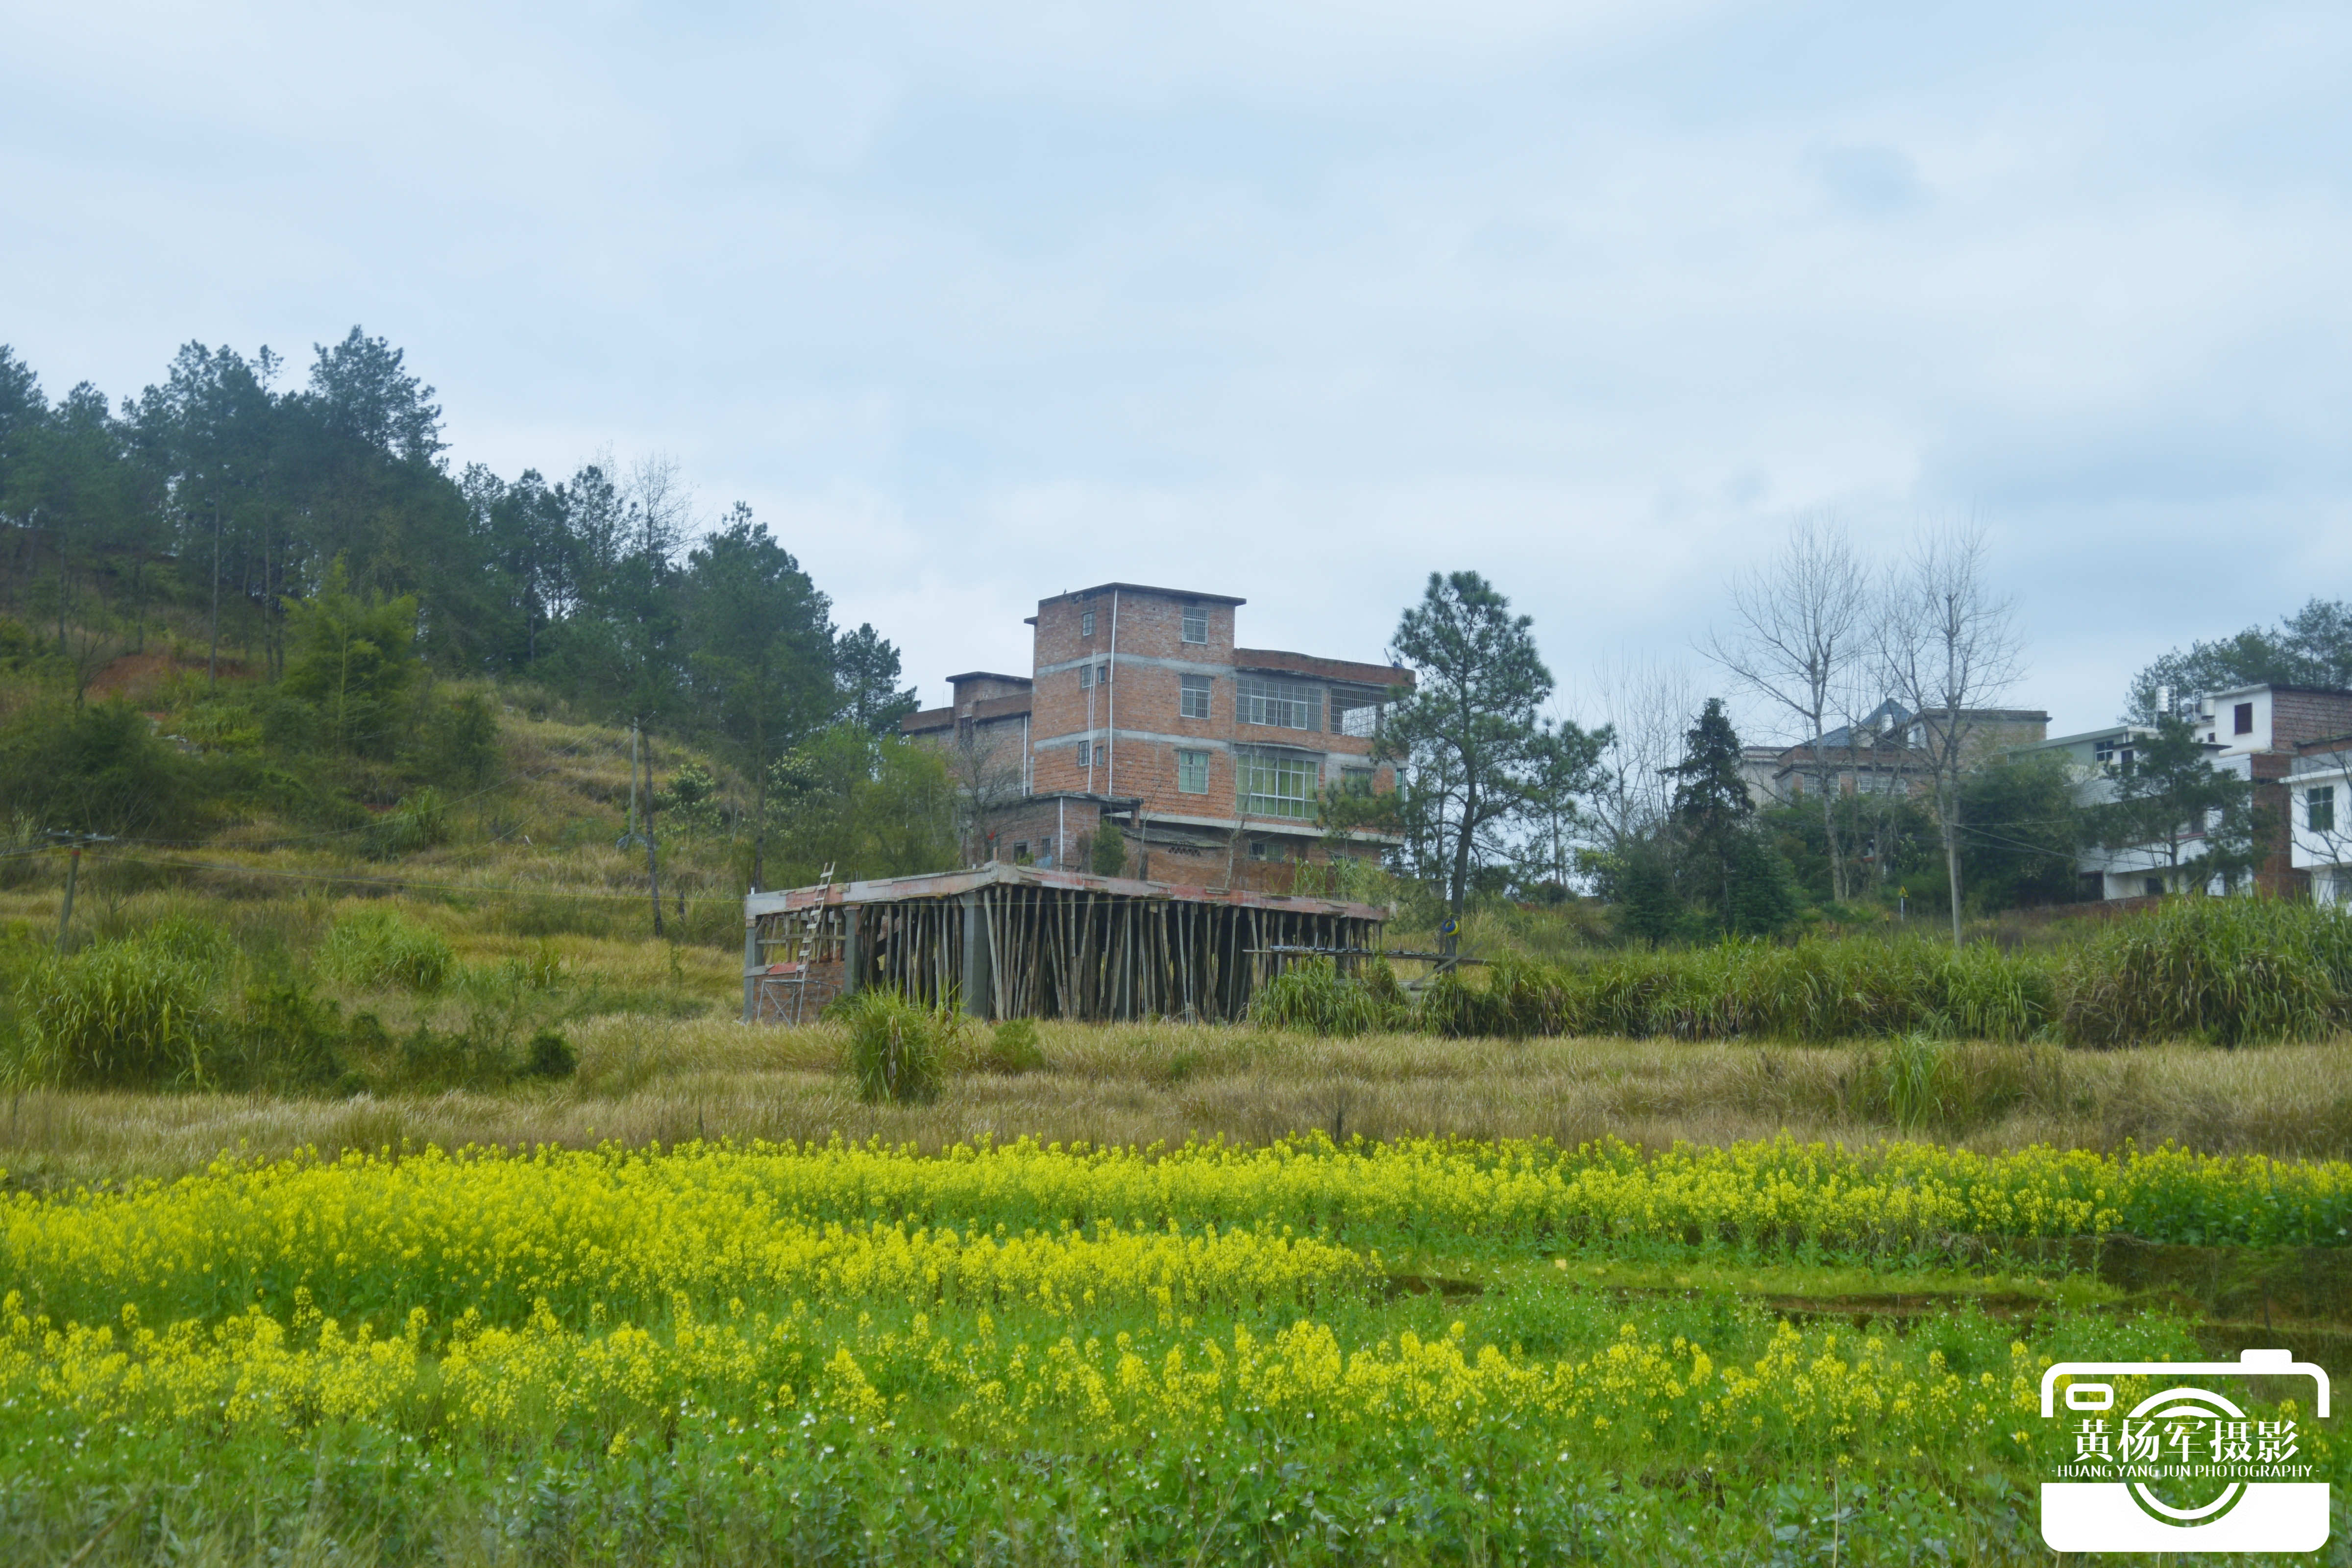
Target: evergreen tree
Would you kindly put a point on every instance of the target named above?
(2170, 794)
(1468, 730)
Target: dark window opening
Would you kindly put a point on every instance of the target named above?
(2242, 720)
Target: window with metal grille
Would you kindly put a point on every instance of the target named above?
(1086, 623)
(1086, 755)
(1279, 704)
(1196, 623)
(1356, 781)
(1274, 783)
(1362, 721)
(1086, 676)
(1193, 701)
(2319, 808)
(1192, 772)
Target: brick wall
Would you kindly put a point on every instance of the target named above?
(2305, 715)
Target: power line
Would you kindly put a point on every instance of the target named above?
(458, 887)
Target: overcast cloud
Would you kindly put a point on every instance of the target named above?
(977, 305)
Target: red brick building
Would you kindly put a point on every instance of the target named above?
(1141, 709)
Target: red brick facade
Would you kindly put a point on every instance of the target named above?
(1105, 725)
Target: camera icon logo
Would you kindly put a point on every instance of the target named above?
(2185, 1467)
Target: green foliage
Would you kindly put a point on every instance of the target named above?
(550, 1055)
(896, 1047)
(96, 768)
(2231, 971)
(1315, 996)
(285, 1039)
(380, 947)
(420, 821)
(1013, 1048)
(2225, 969)
(1478, 759)
(2171, 789)
(352, 659)
(2021, 831)
(121, 1014)
(2310, 647)
(461, 741)
(1109, 855)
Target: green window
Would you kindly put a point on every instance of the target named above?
(1276, 784)
(1192, 772)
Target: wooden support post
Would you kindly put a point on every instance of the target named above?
(977, 998)
(751, 965)
(852, 951)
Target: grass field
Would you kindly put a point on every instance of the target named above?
(1170, 1295)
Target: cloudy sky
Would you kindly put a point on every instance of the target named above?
(1297, 302)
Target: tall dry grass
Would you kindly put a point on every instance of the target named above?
(647, 1080)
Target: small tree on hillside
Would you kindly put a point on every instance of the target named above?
(353, 659)
(1468, 730)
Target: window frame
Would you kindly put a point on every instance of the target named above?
(1271, 702)
(1086, 623)
(1279, 766)
(2319, 808)
(2241, 719)
(1188, 687)
(1195, 614)
(1196, 765)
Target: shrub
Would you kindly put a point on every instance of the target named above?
(2223, 970)
(97, 768)
(550, 1054)
(284, 1037)
(378, 948)
(420, 821)
(1013, 1048)
(896, 1046)
(123, 1015)
(1314, 996)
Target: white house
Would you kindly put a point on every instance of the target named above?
(2319, 823)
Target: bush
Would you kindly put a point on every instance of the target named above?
(1314, 996)
(96, 768)
(285, 1038)
(374, 947)
(550, 1054)
(123, 1015)
(896, 1046)
(1013, 1048)
(420, 821)
(2224, 970)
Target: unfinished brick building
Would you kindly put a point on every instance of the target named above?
(1140, 712)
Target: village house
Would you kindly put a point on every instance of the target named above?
(1140, 711)
(1883, 752)
(2289, 741)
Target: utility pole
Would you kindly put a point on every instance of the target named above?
(653, 863)
(73, 877)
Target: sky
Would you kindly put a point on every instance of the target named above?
(978, 304)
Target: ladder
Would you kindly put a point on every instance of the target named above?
(808, 940)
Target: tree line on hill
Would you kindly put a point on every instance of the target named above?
(315, 536)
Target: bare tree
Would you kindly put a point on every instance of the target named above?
(661, 507)
(1946, 646)
(1646, 706)
(1800, 624)
(989, 782)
